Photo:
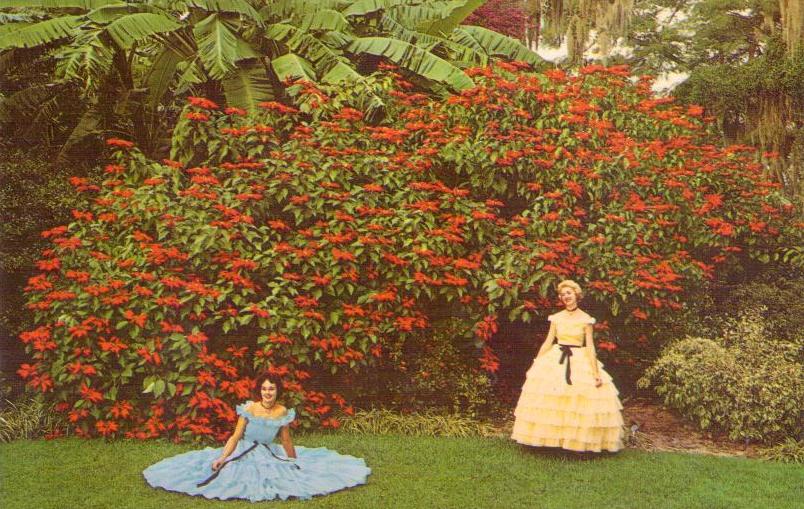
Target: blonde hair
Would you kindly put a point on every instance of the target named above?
(569, 283)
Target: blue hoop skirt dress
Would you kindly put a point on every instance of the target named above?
(258, 470)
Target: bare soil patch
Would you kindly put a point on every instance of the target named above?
(653, 427)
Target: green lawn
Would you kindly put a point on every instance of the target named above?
(412, 472)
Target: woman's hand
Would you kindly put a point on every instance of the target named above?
(217, 464)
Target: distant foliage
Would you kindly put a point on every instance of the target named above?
(746, 384)
(507, 17)
(310, 242)
(429, 369)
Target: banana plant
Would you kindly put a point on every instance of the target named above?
(126, 61)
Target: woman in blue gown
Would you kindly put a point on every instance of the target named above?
(251, 467)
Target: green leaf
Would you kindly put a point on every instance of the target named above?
(325, 20)
(363, 7)
(292, 66)
(234, 6)
(160, 75)
(446, 25)
(159, 388)
(494, 44)
(248, 86)
(217, 46)
(59, 4)
(129, 29)
(109, 13)
(40, 33)
(414, 59)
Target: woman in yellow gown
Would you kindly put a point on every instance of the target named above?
(568, 400)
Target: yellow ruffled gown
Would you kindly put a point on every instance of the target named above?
(561, 408)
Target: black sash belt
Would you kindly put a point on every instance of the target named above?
(566, 353)
(251, 448)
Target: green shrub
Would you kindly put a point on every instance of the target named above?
(27, 419)
(744, 383)
(428, 423)
(429, 370)
(789, 451)
(33, 197)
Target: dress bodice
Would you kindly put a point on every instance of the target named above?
(263, 429)
(570, 329)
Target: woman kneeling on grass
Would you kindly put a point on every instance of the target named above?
(568, 400)
(250, 467)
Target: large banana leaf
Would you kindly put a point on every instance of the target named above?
(40, 33)
(159, 77)
(414, 16)
(292, 8)
(23, 103)
(292, 66)
(364, 7)
(217, 46)
(414, 59)
(109, 13)
(59, 4)
(326, 19)
(341, 73)
(129, 29)
(247, 87)
(323, 57)
(190, 74)
(460, 55)
(87, 61)
(446, 25)
(234, 6)
(89, 124)
(494, 44)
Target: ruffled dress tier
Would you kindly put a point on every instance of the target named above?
(259, 470)
(559, 405)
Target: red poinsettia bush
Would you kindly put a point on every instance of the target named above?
(307, 244)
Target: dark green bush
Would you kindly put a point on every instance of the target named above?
(744, 383)
(428, 370)
(33, 198)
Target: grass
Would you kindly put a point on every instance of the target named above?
(411, 472)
